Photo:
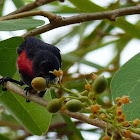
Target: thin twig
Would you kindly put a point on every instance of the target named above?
(85, 76)
(79, 116)
(11, 125)
(61, 125)
(32, 6)
(63, 21)
(49, 15)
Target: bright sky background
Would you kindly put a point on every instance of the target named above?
(132, 48)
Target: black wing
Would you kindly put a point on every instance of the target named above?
(33, 45)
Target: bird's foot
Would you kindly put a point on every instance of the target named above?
(41, 93)
(6, 79)
(3, 80)
(27, 89)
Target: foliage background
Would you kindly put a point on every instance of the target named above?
(95, 46)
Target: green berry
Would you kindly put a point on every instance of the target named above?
(100, 84)
(92, 96)
(74, 105)
(39, 83)
(54, 105)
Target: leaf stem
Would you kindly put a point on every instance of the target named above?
(120, 133)
(66, 89)
(106, 129)
(112, 134)
(84, 92)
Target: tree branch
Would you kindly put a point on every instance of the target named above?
(32, 6)
(34, 98)
(15, 89)
(63, 21)
(12, 126)
(49, 15)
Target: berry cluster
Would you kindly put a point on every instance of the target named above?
(88, 100)
(117, 119)
(75, 104)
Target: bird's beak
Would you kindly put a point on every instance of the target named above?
(47, 80)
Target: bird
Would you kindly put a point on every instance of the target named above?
(35, 59)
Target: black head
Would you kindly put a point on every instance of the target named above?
(43, 63)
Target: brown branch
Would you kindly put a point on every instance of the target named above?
(96, 122)
(15, 89)
(32, 6)
(16, 127)
(49, 15)
(12, 126)
(61, 125)
(63, 21)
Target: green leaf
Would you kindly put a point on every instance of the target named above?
(87, 6)
(72, 127)
(19, 24)
(72, 137)
(18, 3)
(32, 116)
(126, 81)
(132, 30)
(64, 9)
(72, 59)
(56, 119)
(8, 55)
(2, 6)
(69, 35)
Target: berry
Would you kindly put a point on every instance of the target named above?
(100, 84)
(63, 108)
(95, 108)
(39, 83)
(74, 105)
(54, 105)
(121, 118)
(119, 103)
(125, 99)
(102, 116)
(55, 72)
(106, 138)
(92, 116)
(94, 76)
(119, 111)
(126, 133)
(117, 99)
(60, 73)
(126, 124)
(135, 122)
(92, 96)
(87, 87)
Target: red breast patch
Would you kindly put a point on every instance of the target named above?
(24, 64)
